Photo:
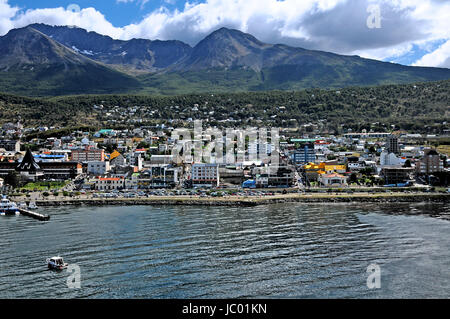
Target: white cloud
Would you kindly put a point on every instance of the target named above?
(440, 57)
(331, 25)
(7, 14)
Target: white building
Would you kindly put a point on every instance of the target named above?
(205, 175)
(98, 168)
(112, 183)
(389, 159)
(332, 180)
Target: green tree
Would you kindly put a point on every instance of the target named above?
(12, 179)
(353, 178)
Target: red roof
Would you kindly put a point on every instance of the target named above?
(334, 175)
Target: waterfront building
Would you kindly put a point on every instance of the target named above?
(28, 168)
(395, 174)
(231, 175)
(32, 171)
(332, 180)
(312, 171)
(274, 176)
(61, 171)
(109, 183)
(430, 164)
(205, 175)
(157, 176)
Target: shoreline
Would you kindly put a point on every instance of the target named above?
(249, 201)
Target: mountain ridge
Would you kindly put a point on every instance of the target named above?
(226, 60)
(29, 57)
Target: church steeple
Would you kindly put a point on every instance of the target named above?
(28, 163)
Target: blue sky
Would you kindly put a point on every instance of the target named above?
(411, 32)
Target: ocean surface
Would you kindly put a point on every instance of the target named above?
(274, 251)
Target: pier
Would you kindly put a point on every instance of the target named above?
(34, 215)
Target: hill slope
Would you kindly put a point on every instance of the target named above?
(31, 62)
(422, 107)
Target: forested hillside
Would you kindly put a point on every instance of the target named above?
(422, 107)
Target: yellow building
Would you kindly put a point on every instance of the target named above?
(114, 155)
(314, 170)
(332, 168)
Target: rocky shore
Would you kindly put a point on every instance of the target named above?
(252, 201)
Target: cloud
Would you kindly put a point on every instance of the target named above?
(7, 14)
(332, 25)
(440, 57)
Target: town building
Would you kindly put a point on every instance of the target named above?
(332, 180)
(366, 135)
(61, 171)
(98, 168)
(304, 154)
(159, 176)
(395, 174)
(88, 154)
(389, 159)
(10, 145)
(231, 175)
(205, 175)
(28, 168)
(274, 176)
(117, 159)
(312, 171)
(50, 158)
(32, 171)
(161, 159)
(109, 183)
(431, 163)
(392, 144)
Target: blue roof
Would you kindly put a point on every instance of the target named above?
(48, 156)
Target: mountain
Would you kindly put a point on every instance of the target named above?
(48, 60)
(32, 62)
(284, 67)
(225, 48)
(134, 55)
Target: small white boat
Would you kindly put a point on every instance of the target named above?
(23, 206)
(8, 208)
(33, 205)
(56, 263)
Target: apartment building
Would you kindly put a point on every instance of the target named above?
(88, 154)
(205, 175)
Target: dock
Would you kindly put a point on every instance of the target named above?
(34, 215)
